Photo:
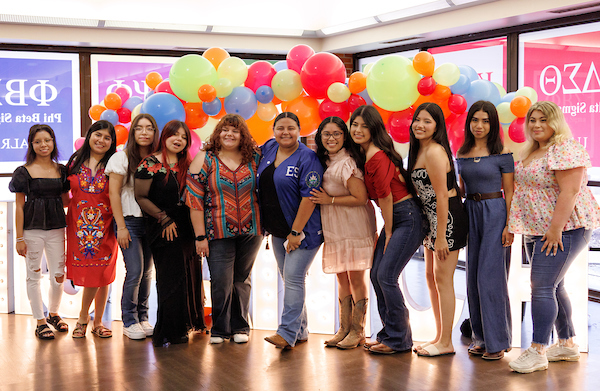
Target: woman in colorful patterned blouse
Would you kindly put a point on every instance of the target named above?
(159, 186)
(221, 193)
(556, 211)
(91, 241)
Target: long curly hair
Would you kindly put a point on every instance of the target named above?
(351, 147)
(247, 144)
(183, 157)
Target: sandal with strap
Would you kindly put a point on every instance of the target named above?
(58, 324)
(80, 329)
(44, 332)
(102, 332)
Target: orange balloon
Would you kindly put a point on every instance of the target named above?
(221, 113)
(520, 105)
(215, 56)
(430, 98)
(122, 134)
(424, 63)
(441, 93)
(307, 110)
(153, 79)
(276, 100)
(385, 115)
(95, 112)
(261, 131)
(112, 101)
(207, 93)
(357, 82)
(195, 117)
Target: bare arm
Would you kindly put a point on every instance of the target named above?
(115, 186)
(19, 223)
(305, 210)
(386, 205)
(357, 197)
(437, 168)
(509, 189)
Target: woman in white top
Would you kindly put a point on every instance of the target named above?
(131, 233)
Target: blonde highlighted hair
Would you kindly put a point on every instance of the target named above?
(555, 120)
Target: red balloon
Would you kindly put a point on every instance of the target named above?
(195, 117)
(164, 86)
(123, 93)
(399, 125)
(319, 72)
(457, 104)
(328, 108)
(355, 101)
(426, 86)
(122, 134)
(124, 115)
(260, 73)
(456, 132)
(297, 56)
(516, 130)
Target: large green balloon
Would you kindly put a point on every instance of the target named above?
(188, 74)
(392, 83)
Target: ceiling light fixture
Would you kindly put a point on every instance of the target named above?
(48, 20)
(155, 26)
(414, 11)
(349, 26)
(257, 31)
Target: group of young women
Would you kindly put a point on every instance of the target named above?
(161, 207)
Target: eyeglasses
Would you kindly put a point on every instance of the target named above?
(327, 135)
(141, 129)
(45, 141)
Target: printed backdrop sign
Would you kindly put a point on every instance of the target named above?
(37, 88)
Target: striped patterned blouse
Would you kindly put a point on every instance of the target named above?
(228, 198)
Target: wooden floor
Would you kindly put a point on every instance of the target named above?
(121, 364)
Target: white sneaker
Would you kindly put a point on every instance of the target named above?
(529, 361)
(147, 327)
(559, 352)
(135, 331)
(240, 338)
(215, 340)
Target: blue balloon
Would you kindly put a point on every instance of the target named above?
(132, 102)
(212, 108)
(508, 97)
(164, 108)
(150, 93)
(482, 90)
(468, 72)
(241, 101)
(461, 86)
(280, 65)
(264, 94)
(110, 116)
(366, 97)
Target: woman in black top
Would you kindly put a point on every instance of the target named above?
(41, 189)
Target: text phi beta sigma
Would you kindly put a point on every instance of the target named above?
(20, 92)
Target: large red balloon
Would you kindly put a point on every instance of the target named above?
(457, 104)
(426, 86)
(456, 131)
(260, 73)
(399, 125)
(124, 115)
(320, 71)
(297, 56)
(328, 108)
(516, 130)
(355, 101)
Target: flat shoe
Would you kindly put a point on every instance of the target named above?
(278, 341)
(102, 332)
(58, 324)
(477, 351)
(493, 356)
(43, 332)
(80, 329)
(422, 346)
(432, 351)
(367, 345)
(382, 349)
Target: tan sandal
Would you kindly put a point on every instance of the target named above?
(80, 329)
(102, 332)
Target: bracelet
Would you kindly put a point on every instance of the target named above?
(120, 229)
(20, 240)
(163, 218)
(333, 200)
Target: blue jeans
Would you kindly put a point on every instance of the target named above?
(407, 236)
(550, 304)
(230, 262)
(138, 276)
(293, 268)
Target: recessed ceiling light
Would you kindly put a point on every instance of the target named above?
(350, 26)
(257, 31)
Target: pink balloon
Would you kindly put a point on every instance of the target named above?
(297, 56)
(260, 74)
(328, 108)
(124, 115)
(79, 142)
(123, 93)
(320, 71)
(399, 125)
(196, 144)
(165, 86)
(355, 101)
(516, 130)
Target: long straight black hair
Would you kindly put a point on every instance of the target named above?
(351, 147)
(35, 129)
(132, 150)
(494, 142)
(83, 153)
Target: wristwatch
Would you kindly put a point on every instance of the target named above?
(295, 233)
(200, 238)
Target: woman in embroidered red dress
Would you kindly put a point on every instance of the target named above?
(91, 241)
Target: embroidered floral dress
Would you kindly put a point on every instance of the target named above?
(91, 240)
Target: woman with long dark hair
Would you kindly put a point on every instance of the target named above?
(432, 171)
(42, 192)
(159, 185)
(349, 228)
(486, 168)
(91, 241)
(389, 186)
(130, 225)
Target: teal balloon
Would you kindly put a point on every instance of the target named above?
(392, 83)
(188, 74)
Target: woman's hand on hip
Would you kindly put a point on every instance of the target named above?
(552, 241)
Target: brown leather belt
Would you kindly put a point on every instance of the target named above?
(484, 196)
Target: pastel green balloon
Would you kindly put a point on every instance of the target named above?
(136, 110)
(234, 69)
(188, 74)
(446, 74)
(286, 85)
(392, 83)
(527, 92)
(223, 87)
(504, 114)
(367, 68)
(338, 92)
(500, 89)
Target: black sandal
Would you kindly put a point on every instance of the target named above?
(44, 332)
(57, 322)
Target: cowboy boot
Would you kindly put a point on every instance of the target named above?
(345, 319)
(356, 336)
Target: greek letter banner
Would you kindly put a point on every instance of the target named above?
(37, 88)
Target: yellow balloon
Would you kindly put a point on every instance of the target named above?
(234, 69)
(136, 110)
(446, 74)
(338, 92)
(224, 87)
(206, 131)
(392, 83)
(527, 92)
(401, 148)
(286, 85)
(500, 89)
(367, 68)
(266, 111)
(504, 114)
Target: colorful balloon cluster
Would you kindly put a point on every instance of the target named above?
(201, 89)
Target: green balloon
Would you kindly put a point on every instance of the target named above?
(188, 74)
(392, 83)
